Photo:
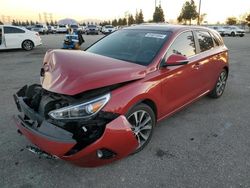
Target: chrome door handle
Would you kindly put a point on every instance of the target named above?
(196, 66)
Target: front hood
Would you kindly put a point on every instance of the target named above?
(73, 72)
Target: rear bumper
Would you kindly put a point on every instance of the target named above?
(117, 138)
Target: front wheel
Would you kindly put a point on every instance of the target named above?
(27, 45)
(220, 85)
(142, 120)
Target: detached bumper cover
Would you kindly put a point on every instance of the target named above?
(117, 137)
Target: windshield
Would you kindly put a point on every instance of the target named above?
(136, 46)
(109, 26)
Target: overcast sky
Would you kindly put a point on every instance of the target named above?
(217, 10)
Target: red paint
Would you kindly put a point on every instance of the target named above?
(73, 72)
(168, 88)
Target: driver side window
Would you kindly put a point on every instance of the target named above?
(183, 45)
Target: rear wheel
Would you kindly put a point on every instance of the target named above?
(27, 45)
(220, 85)
(233, 34)
(142, 120)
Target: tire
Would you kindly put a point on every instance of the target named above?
(27, 45)
(220, 85)
(233, 34)
(241, 35)
(142, 119)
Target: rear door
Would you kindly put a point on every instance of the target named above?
(212, 56)
(13, 37)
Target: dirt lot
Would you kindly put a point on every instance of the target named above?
(204, 145)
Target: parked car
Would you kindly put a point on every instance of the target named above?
(61, 29)
(40, 28)
(13, 37)
(97, 106)
(51, 29)
(107, 29)
(219, 29)
(74, 27)
(91, 29)
(234, 31)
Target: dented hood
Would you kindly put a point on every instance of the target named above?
(72, 72)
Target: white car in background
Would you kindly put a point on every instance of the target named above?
(219, 29)
(234, 31)
(40, 28)
(61, 29)
(13, 37)
(108, 29)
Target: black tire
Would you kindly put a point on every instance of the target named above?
(222, 35)
(233, 34)
(143, 129)
(241, 35)
(220, 85)
(27, 45)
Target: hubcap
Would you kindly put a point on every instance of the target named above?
(27, 45)
(141, 123)
(220, 86)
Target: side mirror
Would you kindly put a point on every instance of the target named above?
(175, 60)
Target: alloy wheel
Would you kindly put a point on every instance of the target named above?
(142, 126)
(220, 86)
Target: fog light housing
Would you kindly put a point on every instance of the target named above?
(105, 154)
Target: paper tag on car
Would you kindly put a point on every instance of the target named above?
(155, 35)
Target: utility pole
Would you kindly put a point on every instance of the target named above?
(199, 14)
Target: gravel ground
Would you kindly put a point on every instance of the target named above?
(204, 145)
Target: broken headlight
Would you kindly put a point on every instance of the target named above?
(78, 111)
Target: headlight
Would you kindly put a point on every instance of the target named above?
(84, 110)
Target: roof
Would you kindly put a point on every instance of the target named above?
(164, 27)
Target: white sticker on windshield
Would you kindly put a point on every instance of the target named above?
(155, 35)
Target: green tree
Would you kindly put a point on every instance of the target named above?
(140, 17)
(136, 17)
(27, 22)
(119, 21)
(1, 23)
(51, 23)
(202, 17)
(248, 20)
(124, 21)
(231, 21)
(32, 23)
(158, 15)
(115, 22)
(14, 22)
(131, 19)
(188, 12)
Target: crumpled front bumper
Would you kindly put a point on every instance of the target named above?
(117, 138)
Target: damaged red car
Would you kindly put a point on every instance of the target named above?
(96, 106)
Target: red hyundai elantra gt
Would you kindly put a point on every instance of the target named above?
(99, 105)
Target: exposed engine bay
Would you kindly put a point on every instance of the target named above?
(84, 131)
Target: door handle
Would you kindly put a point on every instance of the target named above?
(218, 56)
(196, 66)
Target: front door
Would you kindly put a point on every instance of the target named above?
(181, 84)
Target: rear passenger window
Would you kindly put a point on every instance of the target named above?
(10, 30)
(205, 40)
(183, 45)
